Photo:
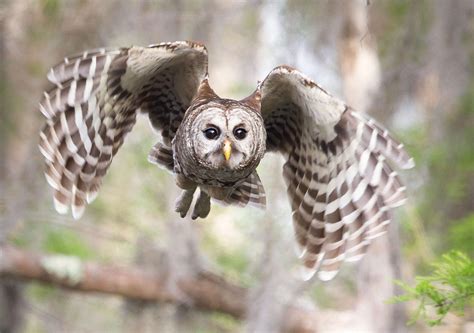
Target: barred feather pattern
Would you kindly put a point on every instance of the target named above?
(341, 191)
(162, 155)
(340, 186)
(93, 104)
(162, 106)
(250, 192)
(82, 132)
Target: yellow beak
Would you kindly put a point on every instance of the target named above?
(227, 149)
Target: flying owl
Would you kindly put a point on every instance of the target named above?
(339, 182)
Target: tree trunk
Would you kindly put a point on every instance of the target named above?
(11, 298)
(360, 70)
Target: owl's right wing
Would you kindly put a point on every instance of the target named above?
(339, 182)
(93, 103)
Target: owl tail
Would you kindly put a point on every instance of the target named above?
(250, 192)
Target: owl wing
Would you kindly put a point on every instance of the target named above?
(93, 104)
(339, 182)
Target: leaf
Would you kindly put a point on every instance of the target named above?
(450, 288)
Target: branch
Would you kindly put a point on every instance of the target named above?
(207, 290)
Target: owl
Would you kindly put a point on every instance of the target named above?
(338, 170)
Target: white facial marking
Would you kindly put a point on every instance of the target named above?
(225, 122)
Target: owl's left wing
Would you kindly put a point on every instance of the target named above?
(339, 182)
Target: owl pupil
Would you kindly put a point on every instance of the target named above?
(211, 133)
(240, 133)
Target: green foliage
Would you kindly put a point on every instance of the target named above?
(233, 262)
(417, 15)
(41, 292)
(67, 243)
(450, 288)
(446, 202)
(51, 8)
(461, 235)
(398, 9)
(225, 322)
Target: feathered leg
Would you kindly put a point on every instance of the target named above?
(183, 202)
(202, 207)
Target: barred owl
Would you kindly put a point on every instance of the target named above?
(339, 182)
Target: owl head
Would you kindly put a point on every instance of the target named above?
(222, 136)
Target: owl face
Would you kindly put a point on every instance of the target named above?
(221, 139)
(227, 137)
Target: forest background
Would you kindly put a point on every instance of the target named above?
(408, 63)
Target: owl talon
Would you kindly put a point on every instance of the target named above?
(183, 202)
(202, 207)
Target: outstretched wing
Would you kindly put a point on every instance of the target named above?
(93, 104)
(339, 182)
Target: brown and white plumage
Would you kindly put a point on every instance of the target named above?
(93, 105)
(339, 182)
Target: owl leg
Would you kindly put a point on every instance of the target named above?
(183, 202)
(202, 207)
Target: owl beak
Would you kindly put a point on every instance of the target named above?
(227, 149)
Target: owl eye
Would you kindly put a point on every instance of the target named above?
(240, 133)
(212, 133)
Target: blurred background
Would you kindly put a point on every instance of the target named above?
(408, 63)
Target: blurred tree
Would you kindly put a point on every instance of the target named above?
(11, 314)
(360, 69)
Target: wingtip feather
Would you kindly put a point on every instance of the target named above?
(327, 275)
(60, 207)
(77, 211)
(91, 196)
(409, 164)
(306, 273)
